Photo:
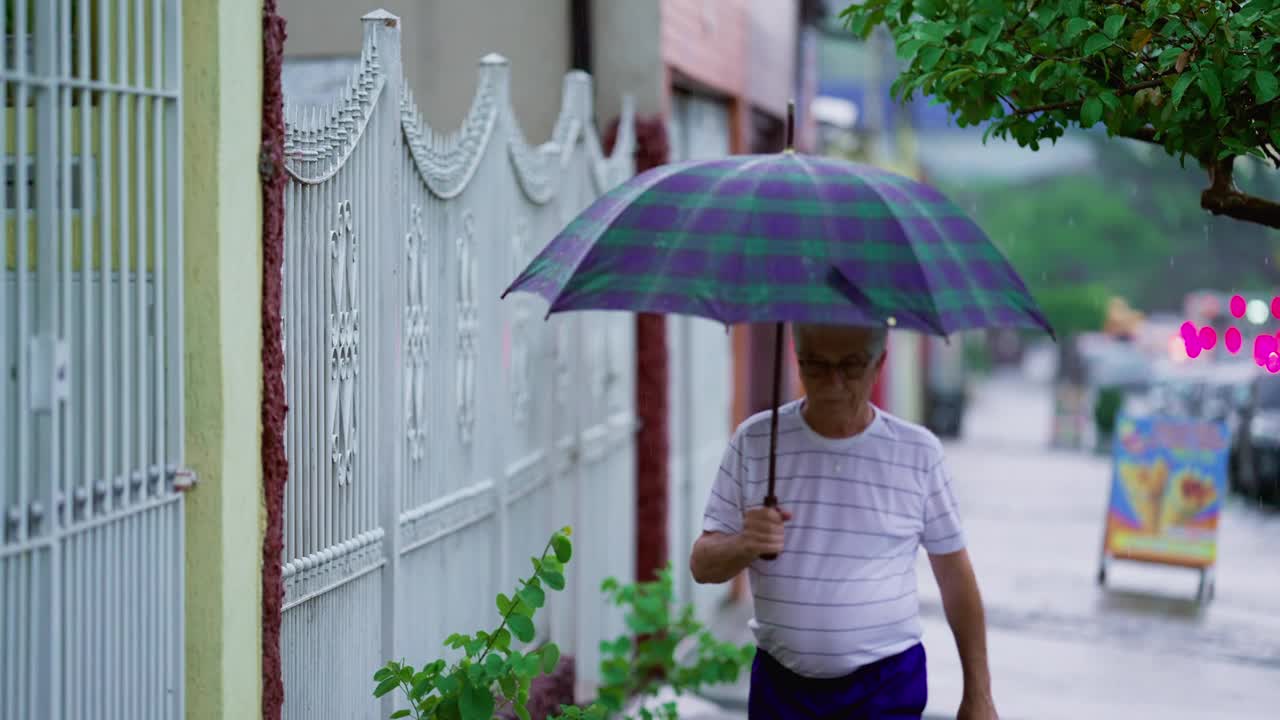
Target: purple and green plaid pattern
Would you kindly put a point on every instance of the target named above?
(782, 238)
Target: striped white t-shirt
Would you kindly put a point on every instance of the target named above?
(842, 593)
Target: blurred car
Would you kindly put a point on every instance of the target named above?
(1180, 396)
(1255, 457)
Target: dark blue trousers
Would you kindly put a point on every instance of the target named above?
(894, 688)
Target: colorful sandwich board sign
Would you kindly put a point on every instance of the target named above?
(1168, 483)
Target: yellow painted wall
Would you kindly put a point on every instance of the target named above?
(222, 108)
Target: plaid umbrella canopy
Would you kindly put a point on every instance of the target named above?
(782, 238)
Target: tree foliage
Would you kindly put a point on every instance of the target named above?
(1196, 78)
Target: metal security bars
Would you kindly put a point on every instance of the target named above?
(436, 436)
(91, 426)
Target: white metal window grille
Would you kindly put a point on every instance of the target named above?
(91, 430)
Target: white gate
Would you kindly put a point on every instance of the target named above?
(91, 419)
(437, 436)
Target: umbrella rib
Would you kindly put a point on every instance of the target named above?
(929, 296)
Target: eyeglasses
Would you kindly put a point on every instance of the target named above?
(848, 369)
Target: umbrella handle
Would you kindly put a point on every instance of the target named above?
(771, 500)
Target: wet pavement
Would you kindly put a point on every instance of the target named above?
(1060, 645)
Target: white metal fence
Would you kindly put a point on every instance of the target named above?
(436, 436)
(91, 431)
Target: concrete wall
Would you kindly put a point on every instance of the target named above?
(626, 57)
(707, 42)
(222, 110)
(443, 40)
(771, 62)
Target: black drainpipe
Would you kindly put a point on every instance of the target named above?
(580, 34)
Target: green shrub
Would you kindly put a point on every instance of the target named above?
(492, 675)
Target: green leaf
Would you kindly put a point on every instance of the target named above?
(1075, 26)
(502, 639)
(550, 656)
(508, 685)
(493, 665)
(1180, 87)
(955, 76)
(448, 684)
(382, 674)
(423, 685)
(476, 703)
(1265, 86)
(1035, 74)
(1169, 57)
(978, 45)
(933, 31)
(553, 579)
(386, 686)
(504, 603)
(1211, 85)
(448, 710)
(908, 49)
(522, 627)
(522, 713)
(563, 548)
(400, 714)
(1113, 24)
(1096, 43)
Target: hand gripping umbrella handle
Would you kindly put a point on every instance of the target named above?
(771, 500)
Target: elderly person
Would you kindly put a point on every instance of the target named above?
(836, 614)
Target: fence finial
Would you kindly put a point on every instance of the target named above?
(382, 16)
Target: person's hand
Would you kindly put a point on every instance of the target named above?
(762, 530)
(977, 707)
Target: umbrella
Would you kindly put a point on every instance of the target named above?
(782, 238)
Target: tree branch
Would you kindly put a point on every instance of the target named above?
(1223, 198)
(1145, 134)
(1068, 104)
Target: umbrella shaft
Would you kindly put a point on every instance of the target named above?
(771, 500)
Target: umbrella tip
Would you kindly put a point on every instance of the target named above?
(791, 125)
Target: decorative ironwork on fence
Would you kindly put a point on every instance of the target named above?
(436, 436)
(91, 416)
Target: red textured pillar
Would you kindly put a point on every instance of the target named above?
(275, 465)
(652, 383)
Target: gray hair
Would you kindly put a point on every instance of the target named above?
(876, 344)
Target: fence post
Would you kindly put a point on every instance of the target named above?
(387, 250)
